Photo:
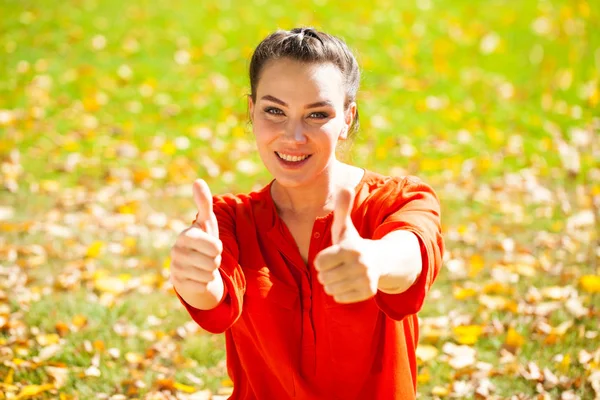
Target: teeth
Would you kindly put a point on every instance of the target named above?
(291, 158)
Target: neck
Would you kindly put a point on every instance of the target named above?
(318, 197)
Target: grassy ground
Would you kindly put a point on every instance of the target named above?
(108, 111)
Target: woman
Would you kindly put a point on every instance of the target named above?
(315, 279)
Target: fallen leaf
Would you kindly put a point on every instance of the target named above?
(467, 334)
(33, 390)
(513, 340)
(184, 388)
(426, 352)
(590, 283)
(59, 375)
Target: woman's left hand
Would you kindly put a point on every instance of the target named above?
(348, 269)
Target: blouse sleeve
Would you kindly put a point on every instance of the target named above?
(227, 312)
(411, 205)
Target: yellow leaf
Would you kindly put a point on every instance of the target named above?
(565, 363)
(129, 242)
(497, 288)
(140, 175)
(128, 208)
(91, 103)
(34, 390)
(9, 377)
(476, 264)
(468, 334)
(227, 382)
(381, 153)
(514, 339)
(151, 279)
(48, 339)
(99, 345)
(463, 293)
(184, 388)
(49, 186)
(79, 321)
(70, 146)
(110, 284)
(168, 148)
(590, 283)
(95, 248)
(424, 377)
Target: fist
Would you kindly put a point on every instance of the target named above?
(347, 269)
(196, 254)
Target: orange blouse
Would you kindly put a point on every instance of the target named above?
(285, 337)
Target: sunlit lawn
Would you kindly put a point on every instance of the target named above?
(108, 112)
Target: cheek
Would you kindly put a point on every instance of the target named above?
(262, 129)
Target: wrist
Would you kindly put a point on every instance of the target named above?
(399, 261)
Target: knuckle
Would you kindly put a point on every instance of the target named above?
(219, 246)
(213, 264)
(175, 265)
(174, 279)
(215, 248)
(361, 271)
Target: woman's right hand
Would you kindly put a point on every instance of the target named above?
(196, 255)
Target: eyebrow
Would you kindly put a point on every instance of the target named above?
(283, 103)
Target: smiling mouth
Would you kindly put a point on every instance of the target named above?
(290, 158)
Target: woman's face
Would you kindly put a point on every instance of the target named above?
(298, 119)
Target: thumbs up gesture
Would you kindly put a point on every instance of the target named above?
(348, 269)
(196, 255)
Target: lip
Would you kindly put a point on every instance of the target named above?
(292, 153)
(292, 164)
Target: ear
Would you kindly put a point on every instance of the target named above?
(250, 108)
(349, 115)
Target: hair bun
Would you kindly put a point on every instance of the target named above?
(306, 32)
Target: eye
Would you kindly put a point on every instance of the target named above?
(319, 115)
(273, 111)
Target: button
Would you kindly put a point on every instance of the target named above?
(317, 235)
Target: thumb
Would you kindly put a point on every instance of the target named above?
(342, 223)
(205, 218)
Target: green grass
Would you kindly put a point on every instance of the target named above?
(66, 100)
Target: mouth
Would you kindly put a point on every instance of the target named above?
(289, 160)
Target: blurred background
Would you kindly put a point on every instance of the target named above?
(109, 110)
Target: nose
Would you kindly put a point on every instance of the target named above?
(294, 131)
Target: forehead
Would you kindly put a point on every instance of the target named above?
(292, 80)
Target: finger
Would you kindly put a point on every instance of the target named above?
(343, 286)
(328, 258)
(341, 215)
(340, 273)
(187, 285)
(194, 260)
(206, 218)
(184, 272)
(196, 239)
(353, 296)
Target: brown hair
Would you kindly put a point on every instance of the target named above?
(310, 46)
